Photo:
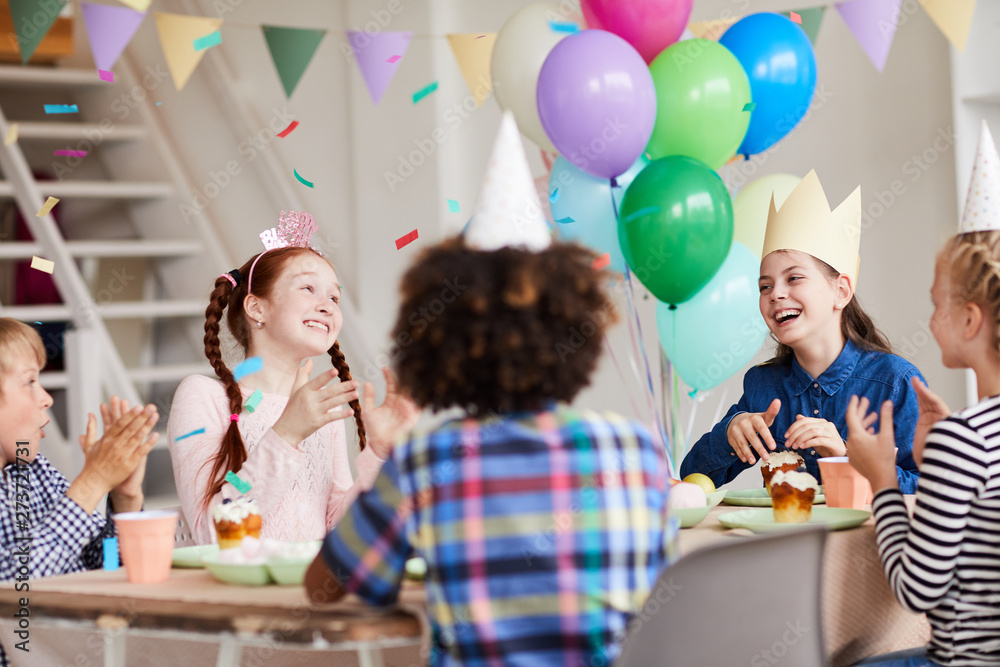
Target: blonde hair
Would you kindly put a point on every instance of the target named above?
(974, 272)
(17, 339)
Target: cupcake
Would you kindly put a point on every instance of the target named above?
(235, 520)
(792, 495)
(785, 460)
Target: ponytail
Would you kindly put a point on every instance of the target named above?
(344, 373)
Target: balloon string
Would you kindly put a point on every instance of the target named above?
(621, 374)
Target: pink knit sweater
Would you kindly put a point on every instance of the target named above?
(301, 492)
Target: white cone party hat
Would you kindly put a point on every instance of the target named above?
(982, 203)
(508, 213)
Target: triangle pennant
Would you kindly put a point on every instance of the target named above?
(873, 24)
(711, 29)
(378, 57)
(811, 19)
(291, 50)
(109, 29)
(953, 17)
(177, 35)
(473, 53)
(24, 14)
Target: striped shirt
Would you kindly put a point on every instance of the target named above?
(543, 533)
(946, 560)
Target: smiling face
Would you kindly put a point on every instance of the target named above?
(798, 301)
(23, 403)
(302, 312)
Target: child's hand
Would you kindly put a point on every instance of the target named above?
(874, 456)
(932, 410)
(387, 422)
(313, 404)
(815, 433)
(746, 430)
(127, 496)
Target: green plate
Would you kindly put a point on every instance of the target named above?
(245, 575)
(691, 516)
(191, 556)
(760, 498)
(716, 497)
(762, 520)
(292, 571)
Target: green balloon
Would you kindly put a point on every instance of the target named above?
(675, 227)
(701, 95)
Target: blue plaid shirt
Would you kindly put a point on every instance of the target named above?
(43, 532)
(543, 533)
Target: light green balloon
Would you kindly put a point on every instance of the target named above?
(701, 93)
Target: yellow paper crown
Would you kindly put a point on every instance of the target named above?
(806, 223)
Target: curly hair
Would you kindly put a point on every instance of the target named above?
(229, 299)
(974, 270)
(507, 330)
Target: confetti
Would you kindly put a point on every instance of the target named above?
(241, 486)
(110, 553)
(253, 401)
(302, 180)
(42, 264)
(188, 435)
(406, 239)
(61, 108)
(46, 207)
(795, 18)
(641, 212)
(749, 106)
(602, 261)
(248, 367)
(564, 26)
(554, 197)
(565, 221)
(159, 103)
(208, 41)
(71, 153)
(481, 36)
(288, 130)
(394, 59)
(453, 206)
(106, 75)
(424, 92)
(11, 135)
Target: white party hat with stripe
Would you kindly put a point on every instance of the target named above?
(982, 203)
(509, 212)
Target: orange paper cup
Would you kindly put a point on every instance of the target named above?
(844, 486)
(147, 544)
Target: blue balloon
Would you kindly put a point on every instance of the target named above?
(779, 61)
(586, 200)
(718, 331)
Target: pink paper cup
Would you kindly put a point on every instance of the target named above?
(844, 486)
(147, 544)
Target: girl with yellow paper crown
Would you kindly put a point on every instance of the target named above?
(828, 349)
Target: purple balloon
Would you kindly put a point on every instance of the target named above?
(597, 102)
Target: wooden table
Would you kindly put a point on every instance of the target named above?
(861, 616)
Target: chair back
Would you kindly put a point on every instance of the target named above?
(183, 536)
(752, 601)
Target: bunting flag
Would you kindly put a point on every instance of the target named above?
(109, 30)
(29, 31)
(177, 35)
(473, 52)
(711, 29)
(873, 24)
(291, 50)
(378, 57)
(952, 17)
(137, 5)
(812, 19)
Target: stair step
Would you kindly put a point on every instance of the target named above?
(108, 248)
(98, 189)
(45, 76)
(115, 310)
(77, 131)
(163, 373)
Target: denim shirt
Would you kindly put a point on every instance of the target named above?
(875, 375)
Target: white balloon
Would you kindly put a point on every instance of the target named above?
(522, 45)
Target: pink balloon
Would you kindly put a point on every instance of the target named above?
(648, 25)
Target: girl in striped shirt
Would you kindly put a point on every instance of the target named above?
(945, 560)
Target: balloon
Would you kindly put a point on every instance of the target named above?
(752, 205)
(675, 226)
(718, 331)
(597, 102)
(701, 92)
(523, 43)
(648, 25)
(779, 61)
(587, 200)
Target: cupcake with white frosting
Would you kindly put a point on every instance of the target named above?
(792, 495)
(785, 460)
(235, 520)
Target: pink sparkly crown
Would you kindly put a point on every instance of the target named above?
(294, 231)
